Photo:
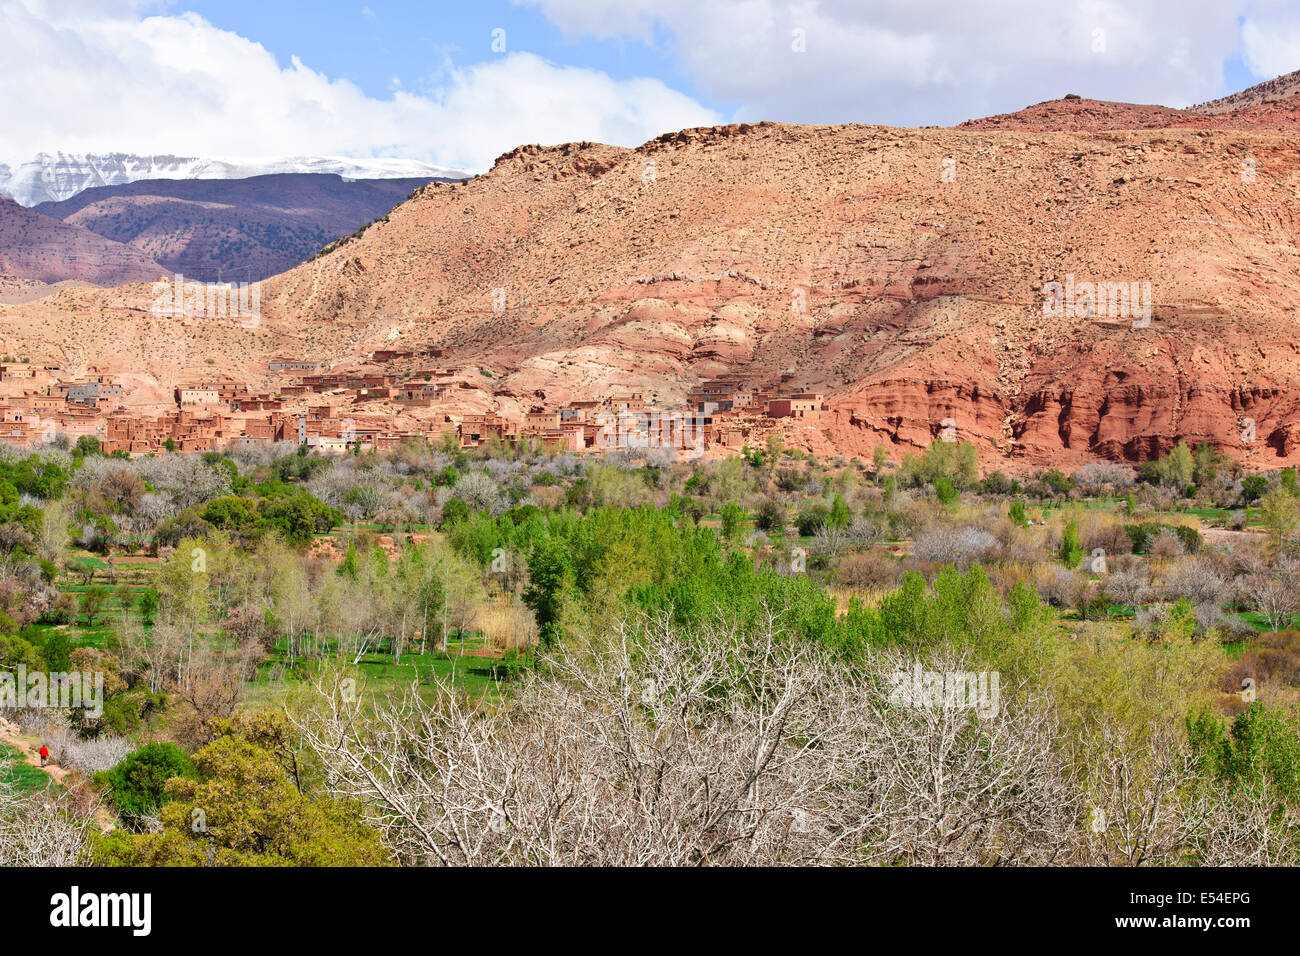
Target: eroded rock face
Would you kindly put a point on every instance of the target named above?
(913, 277)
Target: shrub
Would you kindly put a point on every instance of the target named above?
(1143, 536)
(1166, 544)
(959, 546)
(1111, 538)
(944, 491)
(1099, 477)
(1199, 582)
(137, 785)
(811, 518)
(85, 756)
(1064, 588)
(769, 516)
(453, 510)
(869, 570)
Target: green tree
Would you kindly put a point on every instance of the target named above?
(241, 809)
(840, 515)
(1017, 513)
(148, 605)
(92, 602)
(550, 574)
(137, 784)
(945, 491)
(87, 445)
(1071, 551)
(879, 458)
(1281, 515)
(1178, 466)
(1253, 488)
(733, 517)
(968, 465)
(125, 597)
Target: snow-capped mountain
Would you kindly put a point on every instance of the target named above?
(55, 177)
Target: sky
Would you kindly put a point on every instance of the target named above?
(459, 84)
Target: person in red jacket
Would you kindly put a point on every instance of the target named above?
(45, 754)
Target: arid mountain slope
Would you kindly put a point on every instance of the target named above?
(244, 229)
(900, 272)
(1279, 88)
(1075, 114)
(39, 247)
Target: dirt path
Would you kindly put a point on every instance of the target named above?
(29, 747)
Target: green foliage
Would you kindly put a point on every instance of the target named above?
(1056, 481)
(1174, 469)
(1253, 488)
(1208, 463)
(811, 518)
(1281, 514)
(839, 516)
(769, 517)
(1142, 534)
(996, 483)
(1071, 551)
(93, 600)
(137, 785)
(36, 476)
(295, 516)
(962, 610)
(550, 573)
(241, 809)
(453, 510)
(958, 462)
(945, 492)
(1016, 512)
(87, 445)
(1262, 746)
(733, 517)
(148, 605)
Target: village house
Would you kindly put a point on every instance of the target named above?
(189, 395)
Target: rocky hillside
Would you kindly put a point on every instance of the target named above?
(44, 249)
(901, 272)
(1279, 88)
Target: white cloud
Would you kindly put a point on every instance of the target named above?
(914, 62)
(93, 82)
(1271, 40)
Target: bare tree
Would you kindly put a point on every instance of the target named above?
(43, 829)
(719, 745)
(1275, 598)
(1137, 784)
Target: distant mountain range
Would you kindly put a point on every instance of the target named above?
(240, 229)
(39, 248)
(54, 177)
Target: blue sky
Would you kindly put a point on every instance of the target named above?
(397, 78)
(409, 40)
